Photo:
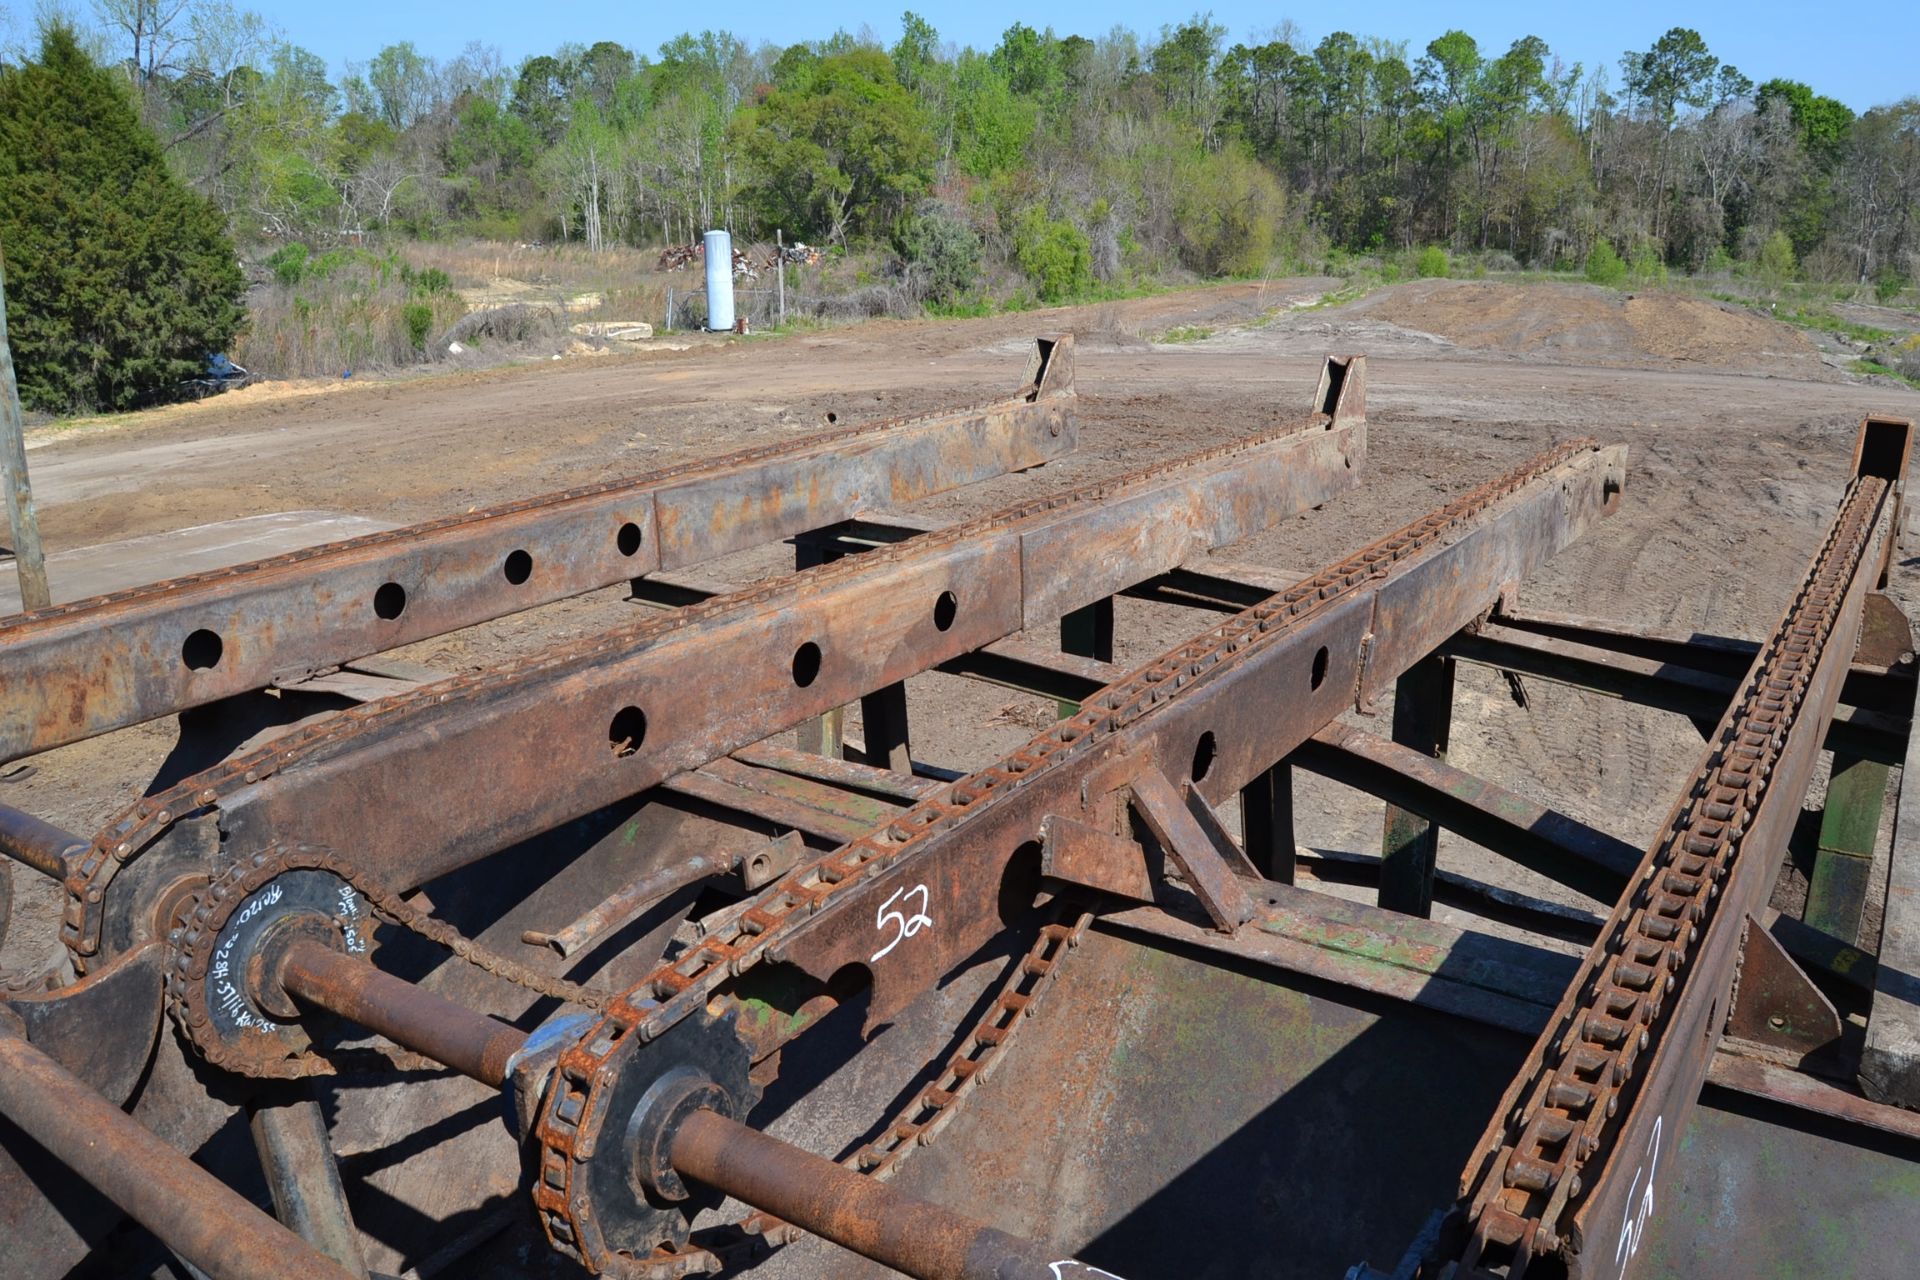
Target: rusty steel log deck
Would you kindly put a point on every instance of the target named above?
(1111, 824)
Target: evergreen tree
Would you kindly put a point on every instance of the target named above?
(120, 281)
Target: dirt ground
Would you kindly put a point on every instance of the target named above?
(1739, 439)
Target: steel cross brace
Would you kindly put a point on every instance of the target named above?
(81, 669)
(562, 734)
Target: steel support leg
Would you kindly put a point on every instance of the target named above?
(824, 735)
(1087, 633)
(296, 1155)
(1837, 893)
(1422, 718)
(883, 719)
(1266, 822)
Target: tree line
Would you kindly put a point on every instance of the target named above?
(1058, 163)
(1074, 158)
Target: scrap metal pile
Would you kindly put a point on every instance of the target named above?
(389, 968)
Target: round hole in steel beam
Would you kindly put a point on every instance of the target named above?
(1203, 754)
(1020, 883)
(628, 539)
(945, 610)
(390, 601)
(1319, 673)
(202, 651)
(806, 664)
(518, 568)
(627, 731)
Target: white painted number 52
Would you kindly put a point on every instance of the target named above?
(904, 925)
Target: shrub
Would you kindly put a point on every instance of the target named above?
(1647, 266)
(1887, 287)
(1226, 212)
(939, 254)
(1719, 262)
(288, 263)
(1054, 253)
(418, 317)
(430, 281)
(121, 281)
(1776, 261)
(1432, 262)
(1604, 265)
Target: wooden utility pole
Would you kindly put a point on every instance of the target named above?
(27, 557)
(780, 269)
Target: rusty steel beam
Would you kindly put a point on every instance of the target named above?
(1872, 681)
(565, 732)
(81, 669)
(1291, 667)
(1577, 1154)
(1694, 690)
(192, 1212)
(1512, 826)
(870, 1218)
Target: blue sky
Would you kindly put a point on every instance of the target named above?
(1864, 57)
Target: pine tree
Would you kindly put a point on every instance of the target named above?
(120, 281)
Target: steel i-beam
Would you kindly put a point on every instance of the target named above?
(81, 669)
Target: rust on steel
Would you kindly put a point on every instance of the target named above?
(80, 669)
(191, 1211)
(37, 843)
(471, 1043)
(911, 1235)
(580, 726)
(1214, 712)
(1574, 1161)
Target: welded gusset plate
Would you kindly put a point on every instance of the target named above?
(564, 732)
(80, 669)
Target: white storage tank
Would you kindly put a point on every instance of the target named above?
(719, 281)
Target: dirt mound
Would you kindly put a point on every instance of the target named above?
(1591, 325)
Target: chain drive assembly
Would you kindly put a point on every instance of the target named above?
(221, 938)
(575, 1112)
(1564, 1115)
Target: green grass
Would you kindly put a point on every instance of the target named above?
(1875, 368)
(1187, 333)
(1824, 320)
